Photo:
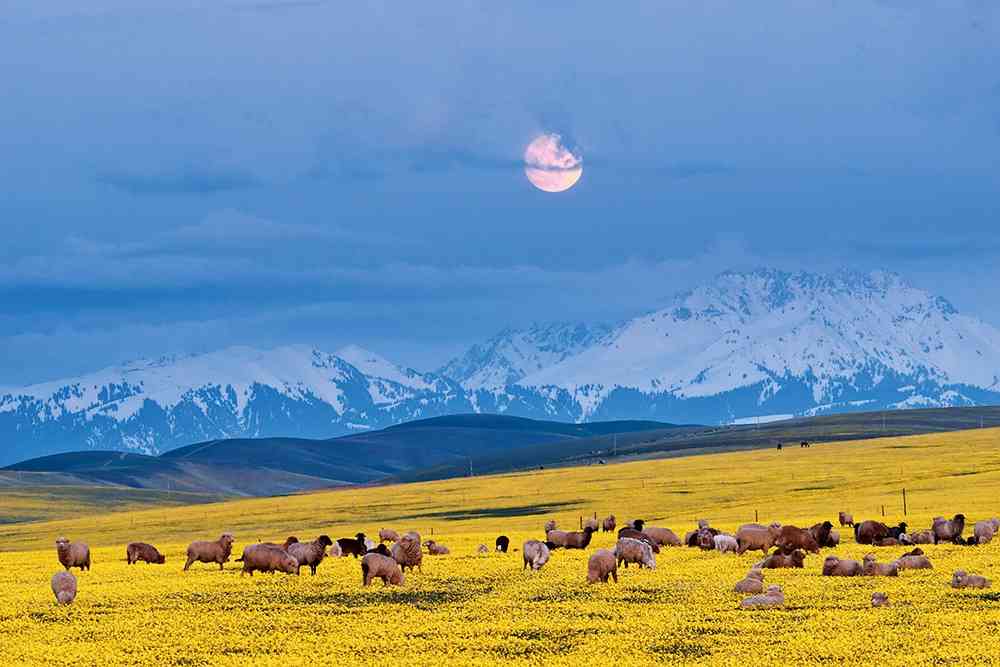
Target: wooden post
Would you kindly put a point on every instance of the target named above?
(883, 510)
(755, 519)
(904, 502)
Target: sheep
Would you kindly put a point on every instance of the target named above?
(267, 558)
(334, 551)
(821, 532)
(703, 538)
(550, 525)
(435, 549)
(922, 537)
(946, 530)
(703, 524)
(369, 545)
(880, 599)
(634, 524)
(791, 538)
(64, 587)
(772, 598)
(601, 565)
(908, 562)
(846, 519)
(961, 579)
(836, 567)
(726, 543)
(985, 530)
(641, 536)
(886, 542)
(753, 536)
(289, 541)
(73, 554)
(834, 539)
(377, 566)
(353, 546)
(574, 540)
(407, 552)
(591, 523)
(779, 560)
(380, 549)
(869, 532)
(628, 550)
(502, 544)
(871, 568)
(210, 552)
(752, 583)
(387, 535)
(535, 553)
(311, 553)
(662, 536)
(140, 551)
(482, 550)
(608, 525)
(896, 531)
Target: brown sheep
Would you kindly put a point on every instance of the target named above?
(792, 538)
(602, 564)
(535, 553)
(310, 553)
(64, 587)
(435, 549)
(387, 535)
(913, 562)
(592, 524)
(823, 534)
(550, 525)
(779, 560)
(609, 524)
(985, 530)
(407, 551)
(753, 536)
(772, 598)
(377, 566)
(871, 568)
(961, 579)
(73, 554)
(210, 552)
(946, 530)
(869, 532)
(140, 551)
(835, 567)
(834, 539)
(662, 536)
(922, 537)
(628, 550)
(267, 558)
(573, 540)
(846, 519)
(752, 583)
(886, 542)
(880, 599)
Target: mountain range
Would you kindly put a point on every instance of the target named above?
(749, 346)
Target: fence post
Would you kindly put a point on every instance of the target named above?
(755, 519)
(883, 510)
(904, 502)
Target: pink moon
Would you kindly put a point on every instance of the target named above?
(550, 166)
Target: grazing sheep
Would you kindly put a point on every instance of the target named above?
(726, 543)
(984, 531)
(780, 560)
(871, 568)
(662, 536)
(634, 534)
(387, 535)
(353, 546)
(608, 525)
(869, 532)
(557, 537)
(846, 519)
(435, 549)
(73, 554)
(880, 599)
(961, 579)
(140, 551)
(922, 537)
(482, 549)
(550, 525)
(792, 538)
(267, 558)
(908, 562)
(835, 567)
(752, 583)
(591, 523)
(377, 566)
(407, 551)
(64, 587)
(217, 551)
(822, 532)
(772, 598)
(503, 543)
(602, 564)
(754, 536)
(628, 550)
(311, 553)
(946, 530)
(573, 540)
(536, 554)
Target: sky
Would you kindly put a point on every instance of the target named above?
(181, 176)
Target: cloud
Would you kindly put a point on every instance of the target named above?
(194, 180)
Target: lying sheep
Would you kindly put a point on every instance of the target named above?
(846, 519)
(922, 537)
(608, 525)
(754, 536)
(886, 542)
(871, 568)
(435, 549)
(948, 530)
(387, 535)
(984, 531)
(73, 554)
(961, 579)
(407, 551)
(482, 549)
(311, 553)
(267, 558)
(602, 564)
(780, 560)
(210, 552)
(550, 525)
(908, 562)
(880, 599)
(837, 567)
(752, 583)
(140, 551)
(377, 566)
(628, 550)
(725, 543)
(822, 532)
(64, 587)
(772, 598)
(662, 536)
(536, 554)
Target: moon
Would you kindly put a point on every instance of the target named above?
(551, 166)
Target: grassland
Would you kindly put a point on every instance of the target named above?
(479, 609)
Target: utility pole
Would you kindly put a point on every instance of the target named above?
(615, 445)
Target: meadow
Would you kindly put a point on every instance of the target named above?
(477, 609)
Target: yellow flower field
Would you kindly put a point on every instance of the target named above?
(468, 608)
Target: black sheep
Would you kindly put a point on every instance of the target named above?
(896, 531)
(354, 546)
(503, 543)
(381, 549)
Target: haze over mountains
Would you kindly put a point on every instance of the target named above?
(748, 345)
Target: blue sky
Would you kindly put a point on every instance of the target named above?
(181, 176)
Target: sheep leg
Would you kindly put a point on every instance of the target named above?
(188, 563)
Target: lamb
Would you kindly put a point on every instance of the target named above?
(535, 553)
(353, 546)
(880, 599)
(791, 538)
(140, 551)
(628, 550)
(846, 519)
(948, 530)
(772, 598)
(602, 564)
(435, 549)
(753, 536)
(726, 543)
(407, 551)
(869, 532)
(752, 583)
(503, 543)
(267, 558)
(984, 531)
(591, 523)
(550, 525)
(210, 552)
(835, 567)
(608, 525)
(913, 562)
(377, 566)
(387, 535)
(961, 579)
(311, 553)
(822, 533)
(641, 536)
(871, 568)
(663, 536)
(73, 554)
(64, 587)
(779, 560)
